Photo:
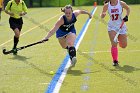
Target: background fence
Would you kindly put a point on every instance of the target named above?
(52, 3)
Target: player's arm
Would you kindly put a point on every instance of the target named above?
(78, 12)
(105, 8)
(55, 28)
(24, 9)
(7, 8)
(125, 6)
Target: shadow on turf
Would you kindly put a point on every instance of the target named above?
(24, 59)
(79, 72)
(126, 68)
(19, 57)
(38, 69)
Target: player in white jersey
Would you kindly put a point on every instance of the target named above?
(115, 9)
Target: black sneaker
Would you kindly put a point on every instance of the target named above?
(115, 63)
(14, 51)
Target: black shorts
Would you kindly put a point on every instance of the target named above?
(15, 23)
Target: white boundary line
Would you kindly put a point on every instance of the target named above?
(62, 77)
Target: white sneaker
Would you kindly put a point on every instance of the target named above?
(73, 61)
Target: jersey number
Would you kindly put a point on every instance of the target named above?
(115, 17)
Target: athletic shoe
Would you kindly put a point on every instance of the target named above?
(73, 61)
(115, 63)
(14, 51)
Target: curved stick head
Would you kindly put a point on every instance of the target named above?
(4, 51)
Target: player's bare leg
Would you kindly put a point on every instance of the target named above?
(122, 40)
(62, 42)
(114, 49)
(70, 39)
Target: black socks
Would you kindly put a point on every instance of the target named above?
(72, 52)
(15, 41)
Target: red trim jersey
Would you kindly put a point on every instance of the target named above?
(115, 13)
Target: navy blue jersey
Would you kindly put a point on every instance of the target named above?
(68, 25)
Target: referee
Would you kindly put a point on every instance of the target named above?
(16, 9)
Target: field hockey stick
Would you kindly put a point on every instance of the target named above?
(23, 47)
(116, 36)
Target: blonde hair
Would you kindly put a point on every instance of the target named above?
(66, 7)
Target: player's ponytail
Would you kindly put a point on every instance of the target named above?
(106, 1)
(62, 10)
(66, 7)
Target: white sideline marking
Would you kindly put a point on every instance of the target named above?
(62, 77)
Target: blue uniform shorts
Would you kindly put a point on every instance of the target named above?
(60, 33)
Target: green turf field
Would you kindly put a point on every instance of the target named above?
(28, 72)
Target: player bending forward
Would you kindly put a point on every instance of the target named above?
(66, 32)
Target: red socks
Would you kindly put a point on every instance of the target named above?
(114, 52)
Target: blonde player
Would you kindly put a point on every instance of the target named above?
(115, 9)
(65, 30)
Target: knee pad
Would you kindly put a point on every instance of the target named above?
(72, 51)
